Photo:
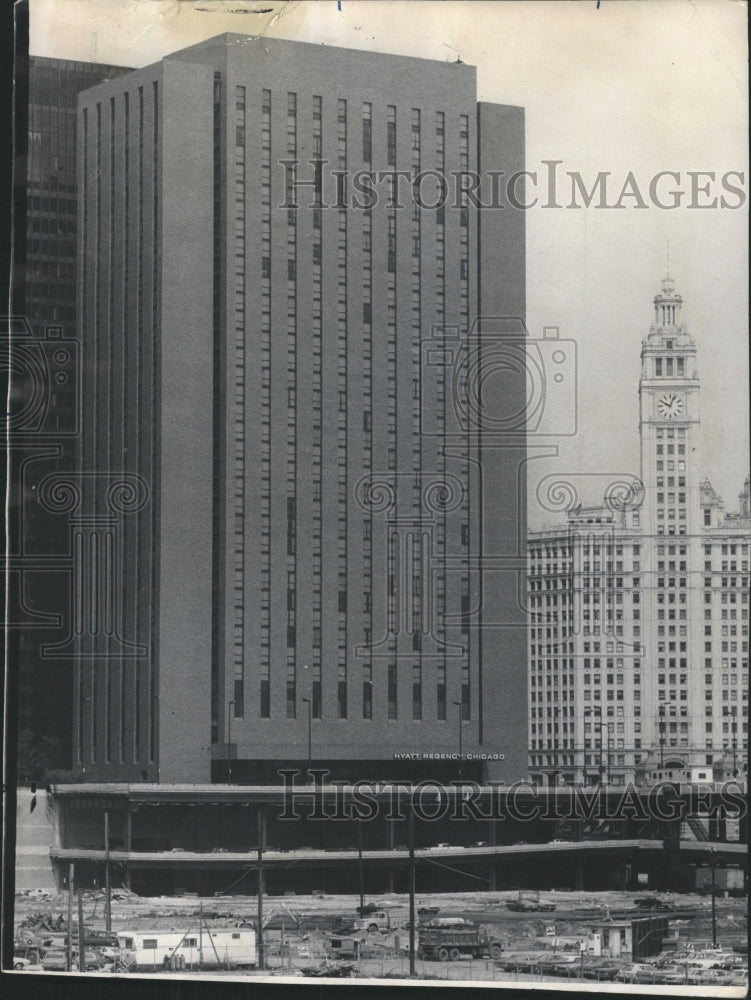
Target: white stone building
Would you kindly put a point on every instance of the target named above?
(639, 607)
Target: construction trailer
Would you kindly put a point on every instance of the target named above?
(233, 948)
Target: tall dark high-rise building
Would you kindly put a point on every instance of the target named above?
(43, 416)
(299, 527)
(48, 280)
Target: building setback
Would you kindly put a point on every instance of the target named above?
(295, 512)
(639, 606)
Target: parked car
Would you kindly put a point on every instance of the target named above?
(479, 843)
(93, 960)
(652, 903)
(600, 969)
(55, 960)
(99, 939)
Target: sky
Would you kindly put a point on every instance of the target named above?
(617, 87)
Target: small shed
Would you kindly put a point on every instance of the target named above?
(343, 945)
(634, 939)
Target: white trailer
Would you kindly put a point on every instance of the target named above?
(207, 948)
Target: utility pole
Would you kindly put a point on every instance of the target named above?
(261, 839)
(359, 864)
(81, 937)
(69, 962)
(306, 701)
(107, 883)
(714, 901)
(411, 887)
(662, 735)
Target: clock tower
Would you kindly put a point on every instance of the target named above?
(669, 420)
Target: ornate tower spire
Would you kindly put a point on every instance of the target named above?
(667, 304)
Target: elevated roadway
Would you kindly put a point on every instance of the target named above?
(223, 859)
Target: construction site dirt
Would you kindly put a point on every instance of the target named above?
(555, 935)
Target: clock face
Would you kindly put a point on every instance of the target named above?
(670, 406)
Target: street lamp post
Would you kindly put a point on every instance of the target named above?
(459, 706)
(714, 901)
(306, 701)
(230, 710)
(661, 711)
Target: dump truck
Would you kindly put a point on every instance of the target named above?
(382, 920)
(449, 940)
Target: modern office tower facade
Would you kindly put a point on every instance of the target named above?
(44, 417)
(639, 607)
(47, 286)
(298, 495)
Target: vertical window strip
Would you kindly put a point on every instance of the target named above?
(417, 460)
(155, 365)
(126, 342)
(239, 495)
(317, 692)
(292, 421)
(265, 665)
(218, 513)
(138, 443)
(342, 363)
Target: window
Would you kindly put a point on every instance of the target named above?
(391, 691)
(367, 143)
(391, 143)
(315, 707)
(367, 699)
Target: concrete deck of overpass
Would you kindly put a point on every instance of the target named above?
(216, 859)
